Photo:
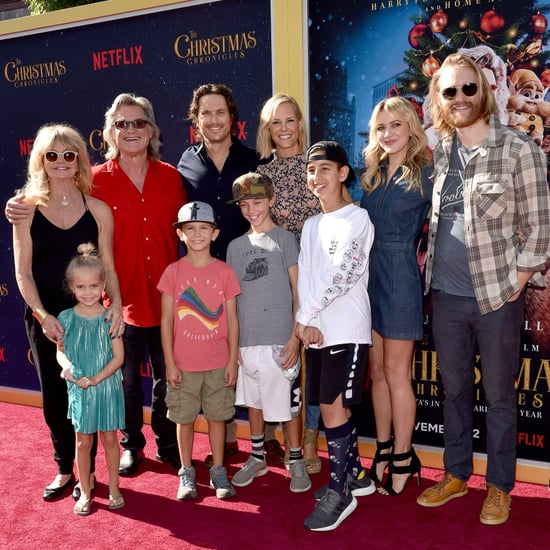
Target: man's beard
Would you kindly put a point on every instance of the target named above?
(461, 119)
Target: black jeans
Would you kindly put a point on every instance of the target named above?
(137, 341)
(54, 397)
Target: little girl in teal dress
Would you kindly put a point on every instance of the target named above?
(91, 362)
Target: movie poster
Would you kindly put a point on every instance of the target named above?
(361, 52)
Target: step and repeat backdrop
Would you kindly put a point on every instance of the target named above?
(359, 52)
(362, 52)
(73, 75)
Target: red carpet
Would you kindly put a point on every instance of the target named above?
(263, 515)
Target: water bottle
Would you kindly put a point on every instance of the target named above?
(277, 352)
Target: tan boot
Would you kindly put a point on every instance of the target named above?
(448, 488)
(496, 507)
(310, 446)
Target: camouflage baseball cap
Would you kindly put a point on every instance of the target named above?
(251, 186)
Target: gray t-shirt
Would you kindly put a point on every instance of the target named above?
(451, 272)
(264, 306)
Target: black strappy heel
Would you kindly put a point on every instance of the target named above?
(412, 468)
(380, 458)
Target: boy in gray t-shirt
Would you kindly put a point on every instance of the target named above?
(265, 260)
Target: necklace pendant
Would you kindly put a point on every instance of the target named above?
(64, 201)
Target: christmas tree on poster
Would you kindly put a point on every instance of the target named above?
(516, 31)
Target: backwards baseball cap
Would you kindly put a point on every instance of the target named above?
(196, 211)
(330, 150)
(251, 186)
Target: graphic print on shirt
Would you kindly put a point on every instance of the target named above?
(257, 268)
(451, 271)
(452, 197)
(258, 263)
(353, 265)
(452, 193)
(189, 303)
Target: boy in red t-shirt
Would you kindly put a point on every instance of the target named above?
(200, 338)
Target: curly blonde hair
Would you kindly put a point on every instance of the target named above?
(37, 187)
(417, 156)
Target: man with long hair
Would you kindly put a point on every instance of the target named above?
(489, 236)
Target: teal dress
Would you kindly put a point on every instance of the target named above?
(88, 347)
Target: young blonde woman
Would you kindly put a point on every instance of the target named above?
(397, 195)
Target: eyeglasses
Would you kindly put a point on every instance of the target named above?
(469, 89)
(68, 156)
(139, 123)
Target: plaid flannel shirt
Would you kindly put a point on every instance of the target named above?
(506, 213)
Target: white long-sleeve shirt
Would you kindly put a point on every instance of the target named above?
(333, 275)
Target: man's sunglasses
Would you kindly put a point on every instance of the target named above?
(469, 89)
(68, 156)
(139, 123)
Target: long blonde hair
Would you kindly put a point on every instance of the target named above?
(37, 187)
(264, 143)
(417, 156)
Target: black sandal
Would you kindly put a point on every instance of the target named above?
(412, 468)
(380, 458)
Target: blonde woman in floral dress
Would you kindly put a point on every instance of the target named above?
(282, 138)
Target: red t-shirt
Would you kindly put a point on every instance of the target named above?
(200, 316)
(144, 240)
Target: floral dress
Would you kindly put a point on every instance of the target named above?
(294, 202)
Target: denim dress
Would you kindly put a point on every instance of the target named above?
(395, 281)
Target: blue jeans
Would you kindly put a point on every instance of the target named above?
(459, 330)
(138, 340)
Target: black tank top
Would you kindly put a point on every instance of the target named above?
(53, 248)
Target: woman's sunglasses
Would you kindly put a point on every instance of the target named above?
(139, 123)
(469, 89)
(68, 156)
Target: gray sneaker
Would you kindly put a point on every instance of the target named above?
(330, 511)
(252, 468)
(360, 486)
(299, 482)
(188, 486)
(219, 482)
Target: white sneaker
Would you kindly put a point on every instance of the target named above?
(220, 483)
(188, 486)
